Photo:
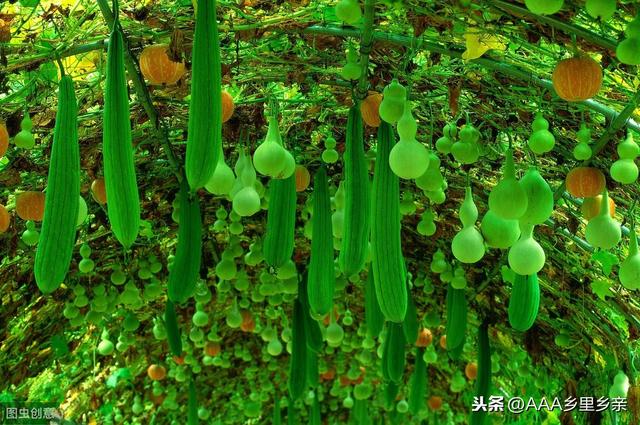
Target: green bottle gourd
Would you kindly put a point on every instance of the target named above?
(117, 150)
(541, 140)
(526, 257)
(269, 157)
(409, 159)
(58, 232)
(468, 244)
(628, 50)
(539, 198)
(357, 207)
(603, 231)
(321, 280)
(601, 9)
(544, 7)
(508, 198)
(524, 302)
(222, 179)
(432, 178)
(393, 102)
(351, 70)
(204, 138)
(629, 272)
(498, 232)
(348, 11)
(583, 151)
(625, 170)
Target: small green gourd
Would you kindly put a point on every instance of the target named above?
(583, 151)
(508, 198)
(544, 7)
(409, 159)
(348, 11)
(432, 178)
(468, 244)
(630, 268)
(526, 257)
(269, 158)
(393, 102)
(498, 232)
(603, 231)
(351, 70)
(539, 198)
(601, 9)
(541, 140)
(222, 179)
(625, 170)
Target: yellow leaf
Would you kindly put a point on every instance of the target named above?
(80, 65)
(479, 43)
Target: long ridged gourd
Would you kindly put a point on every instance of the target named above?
(456, 317)
(298, 359)
(387, 262)
(410, 322)
(311, 327)
(524, 302)
(483, 381)
(321, 281)
(277, 412)
(313, 374)
(185, 271)
(418, 384)
(396, 354)
(292, 415)
(192, 415)
(117, 151)
(281, 221)
(204, 139)
(58, 233)
(357, 216)
(391, 390)
(372, 315)
(173, 331)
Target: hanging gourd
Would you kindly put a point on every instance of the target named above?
(583, 151)
(24, 139)
(526, 257)
(369, 109)
(158, 68)
(468, 244)
(541, 139)
(466, 150)
(351, 70)
(629, 272)
(625, 170)
(603, 231)
(578, 78)
(628, 51)
(409, 159)
(432, 179)
(539, 198)
(498, 232)
(585, 182)
(601, 9)
(544, 7)
(222, 180)
(271, 158)
(591, 207)
(508, 199)
(393, 102)
(246, 200)
(348, 11)
(449, 134)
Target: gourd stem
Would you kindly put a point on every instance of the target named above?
(509, 166)
(605, 203)
(60, 66)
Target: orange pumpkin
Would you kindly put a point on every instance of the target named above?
(156, 66)
(156, 372)
(248, 324)
(5, 219)
(443, 342)
(424, 338)
(591, 207)
(227, 106)
(98, 191)
(328, 375)
(435, 402)
(369, 109)
(4, 139)
(585, 182)
(578, 78)
(212, 349)
(302, 178)
(471, 371)
(30, 205)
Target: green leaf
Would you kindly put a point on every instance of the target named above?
(59, 346)
(121, 374)
(606, 259)
(601, 288)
